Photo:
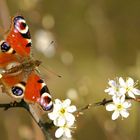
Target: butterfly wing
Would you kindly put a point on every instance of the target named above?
(13, 85)
(36, 91)
(18, 39)
(5, 59)
(13, 50)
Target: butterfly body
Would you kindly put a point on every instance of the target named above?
(25, 66)
(20, 76)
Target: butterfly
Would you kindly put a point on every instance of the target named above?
(19, 74)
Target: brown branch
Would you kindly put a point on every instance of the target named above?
(101, 103)
(105, 101)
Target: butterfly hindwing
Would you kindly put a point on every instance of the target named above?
(37, 91)
(34, 90)
(11, 83)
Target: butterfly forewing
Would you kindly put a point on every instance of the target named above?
(19, 37)
(5, 59)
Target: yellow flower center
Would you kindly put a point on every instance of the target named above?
(117, 89)
(129, 88)
(119, 107)
(62, 111)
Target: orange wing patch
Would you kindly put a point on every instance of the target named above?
(5, 59)
(19, 36)
(32, 91)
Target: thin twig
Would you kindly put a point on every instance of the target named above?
(105, 101)
(101, 103)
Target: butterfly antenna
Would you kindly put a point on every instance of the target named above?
(50, 44)
(51, 71)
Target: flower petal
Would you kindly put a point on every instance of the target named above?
(52, 115)
(115, 115)
(122, 91)
(122, 99)
(130, 82)
(127, 105)
(71, 109)
(112, 83)
(131, 94)
(110, 91)
(122, 82)
(57, 101)
(107, 90)
(67, 133)
(110, 107)
(57, 107)
(136, 91)
(124, 113)
(60, 121)
(70, 118)
(116, 99)
(66, 103)
(59, 132)
(70, 123)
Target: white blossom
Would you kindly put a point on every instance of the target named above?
(62, 113)
(120, 87)
(64, 131)
(129, 87)
(120, 107)
(115, 89)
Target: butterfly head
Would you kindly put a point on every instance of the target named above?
(37, 63)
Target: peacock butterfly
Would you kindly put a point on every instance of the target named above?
(20, 77)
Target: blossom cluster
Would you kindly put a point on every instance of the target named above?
(121, 89)
(62, 117)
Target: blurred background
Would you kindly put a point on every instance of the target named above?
(93, 41)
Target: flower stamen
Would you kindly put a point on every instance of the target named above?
(119, 107)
